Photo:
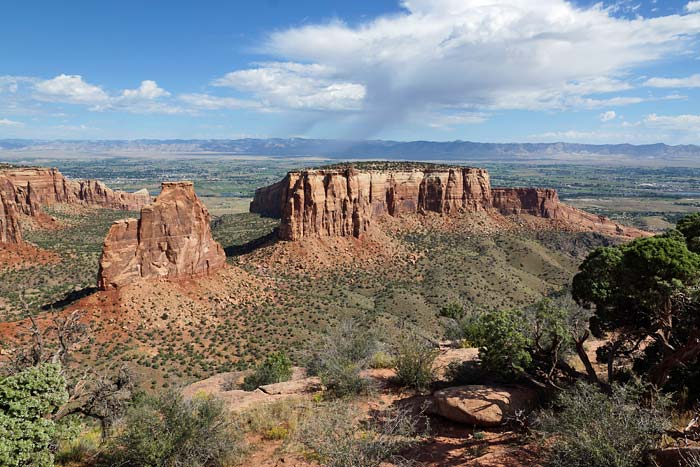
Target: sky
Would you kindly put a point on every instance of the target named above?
(478, 70)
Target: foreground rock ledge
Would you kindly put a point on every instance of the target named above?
(172, 240)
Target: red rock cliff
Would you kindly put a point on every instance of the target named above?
(34, 187)
(10, 231)
(172, 240)
(344, 202)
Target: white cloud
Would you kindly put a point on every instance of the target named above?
(148, 90)
(693, 7)
(608, 116)
(7, 122)
(473, 55)
(682, 123)
(689, 82)
(209, 102)
(70, 89)
(448, 122)
(296, 86)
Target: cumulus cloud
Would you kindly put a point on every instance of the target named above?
(73, 89)
(474, 55)
(70, 89)
(689, 82)
(148, 90)
(296, 86)
(608, 116)
(693, 7)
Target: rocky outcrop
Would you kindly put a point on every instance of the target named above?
(10, 231)
(344, 202)
(171, 240)
(482, 406)
(35, 187)
(540, 202)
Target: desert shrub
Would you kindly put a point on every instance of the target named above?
(381, 359)
(276, 368)
(590, 428)
(168, 431)
(343, 378)
(347, 350)
(452, 310)
(267, 419)
(26, 399)
(413, 360)
(336, 438)
(77, 448)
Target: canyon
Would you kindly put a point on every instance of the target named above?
(171, 240)
(344, 202)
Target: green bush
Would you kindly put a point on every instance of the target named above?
(276, 368)
(592, 429)
(168, 431)
(452, 310)
(26, 399)
(502, 338)
(413, 362)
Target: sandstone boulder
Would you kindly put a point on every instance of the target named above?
(482, 406)
(171, 240)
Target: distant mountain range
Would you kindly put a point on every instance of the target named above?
(375, 149)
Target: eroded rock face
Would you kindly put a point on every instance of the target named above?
(172, 240)
(35, 187)
(343, 202)
(10, 231)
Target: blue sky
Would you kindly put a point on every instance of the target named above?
(481, 70)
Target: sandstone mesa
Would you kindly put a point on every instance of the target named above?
(171, 240)
(345, 202)
(24, 191)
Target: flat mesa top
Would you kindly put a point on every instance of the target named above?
(394, 166)
(184, 183)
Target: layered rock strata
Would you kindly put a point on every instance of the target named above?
(345, 202)
(35, 187)
(10, 231)
(171, 240)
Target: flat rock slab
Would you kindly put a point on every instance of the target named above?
(301, 386)
(482, 406)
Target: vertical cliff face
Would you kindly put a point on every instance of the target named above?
(34, 187)
(10, 231)
(540, 202)
(172, 240)
(344, 202)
